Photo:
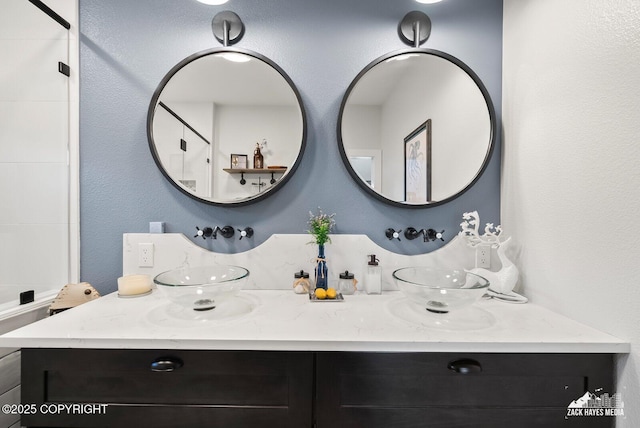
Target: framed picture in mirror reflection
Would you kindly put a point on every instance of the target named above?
(417, 165)
(239, 161)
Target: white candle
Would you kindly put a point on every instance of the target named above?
(131, 285)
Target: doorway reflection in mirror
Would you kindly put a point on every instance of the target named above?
(368, 165)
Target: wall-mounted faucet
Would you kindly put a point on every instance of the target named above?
(208, 232)
(226, 231)
(412, 233)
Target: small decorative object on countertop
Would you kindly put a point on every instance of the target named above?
(321, 270)
(321, 296)
(73, 295)
(503, 281)
(134, 285)
(320, 226)
(301, 283)
(373, 279)
(347, 283)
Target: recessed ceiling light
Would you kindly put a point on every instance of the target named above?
(213, 2)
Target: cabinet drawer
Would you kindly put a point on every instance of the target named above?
(187, 388)
(405, 390)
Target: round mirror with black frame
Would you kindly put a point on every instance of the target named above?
(416, 128)
(227, 126)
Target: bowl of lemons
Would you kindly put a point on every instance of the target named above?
(328, 295)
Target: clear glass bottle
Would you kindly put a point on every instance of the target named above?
(373, 277)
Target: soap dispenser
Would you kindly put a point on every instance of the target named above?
(373, 278)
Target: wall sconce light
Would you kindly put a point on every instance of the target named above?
(227, 27)
(415, 28)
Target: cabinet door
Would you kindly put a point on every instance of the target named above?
(169, 388)
(389, 390)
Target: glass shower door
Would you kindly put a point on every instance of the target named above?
(34, 153)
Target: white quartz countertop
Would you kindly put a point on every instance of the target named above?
(282, 320)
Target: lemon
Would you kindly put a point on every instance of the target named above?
(321, 293)
(331, 293)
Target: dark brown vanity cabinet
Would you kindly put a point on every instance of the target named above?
(306, 389)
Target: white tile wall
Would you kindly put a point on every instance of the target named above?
(24, 142)
(33, 193)
(43, 189)
(32, 67)
(34, 255)
(22, 20)
(9, 196)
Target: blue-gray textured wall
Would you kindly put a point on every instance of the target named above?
(126, 47)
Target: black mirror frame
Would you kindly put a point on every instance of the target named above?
(152, 108)
(485, 94)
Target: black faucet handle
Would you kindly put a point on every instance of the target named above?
(411, 233)
(393, 234)
(205, 232)
(433, 235)
(246, 232)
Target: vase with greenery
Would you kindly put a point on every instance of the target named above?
(320, 225)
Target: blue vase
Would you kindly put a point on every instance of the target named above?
(322, 272)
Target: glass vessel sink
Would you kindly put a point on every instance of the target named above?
(440, 290)
(202, 288)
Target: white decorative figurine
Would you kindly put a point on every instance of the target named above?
(502, 282)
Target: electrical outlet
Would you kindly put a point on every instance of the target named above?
(483, 256)
(145, 255)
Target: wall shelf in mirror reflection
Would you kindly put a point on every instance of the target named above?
(427, 123)
(269, 171)
(220, 102)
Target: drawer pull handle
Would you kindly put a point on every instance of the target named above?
(465, 366)
(166, 364)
